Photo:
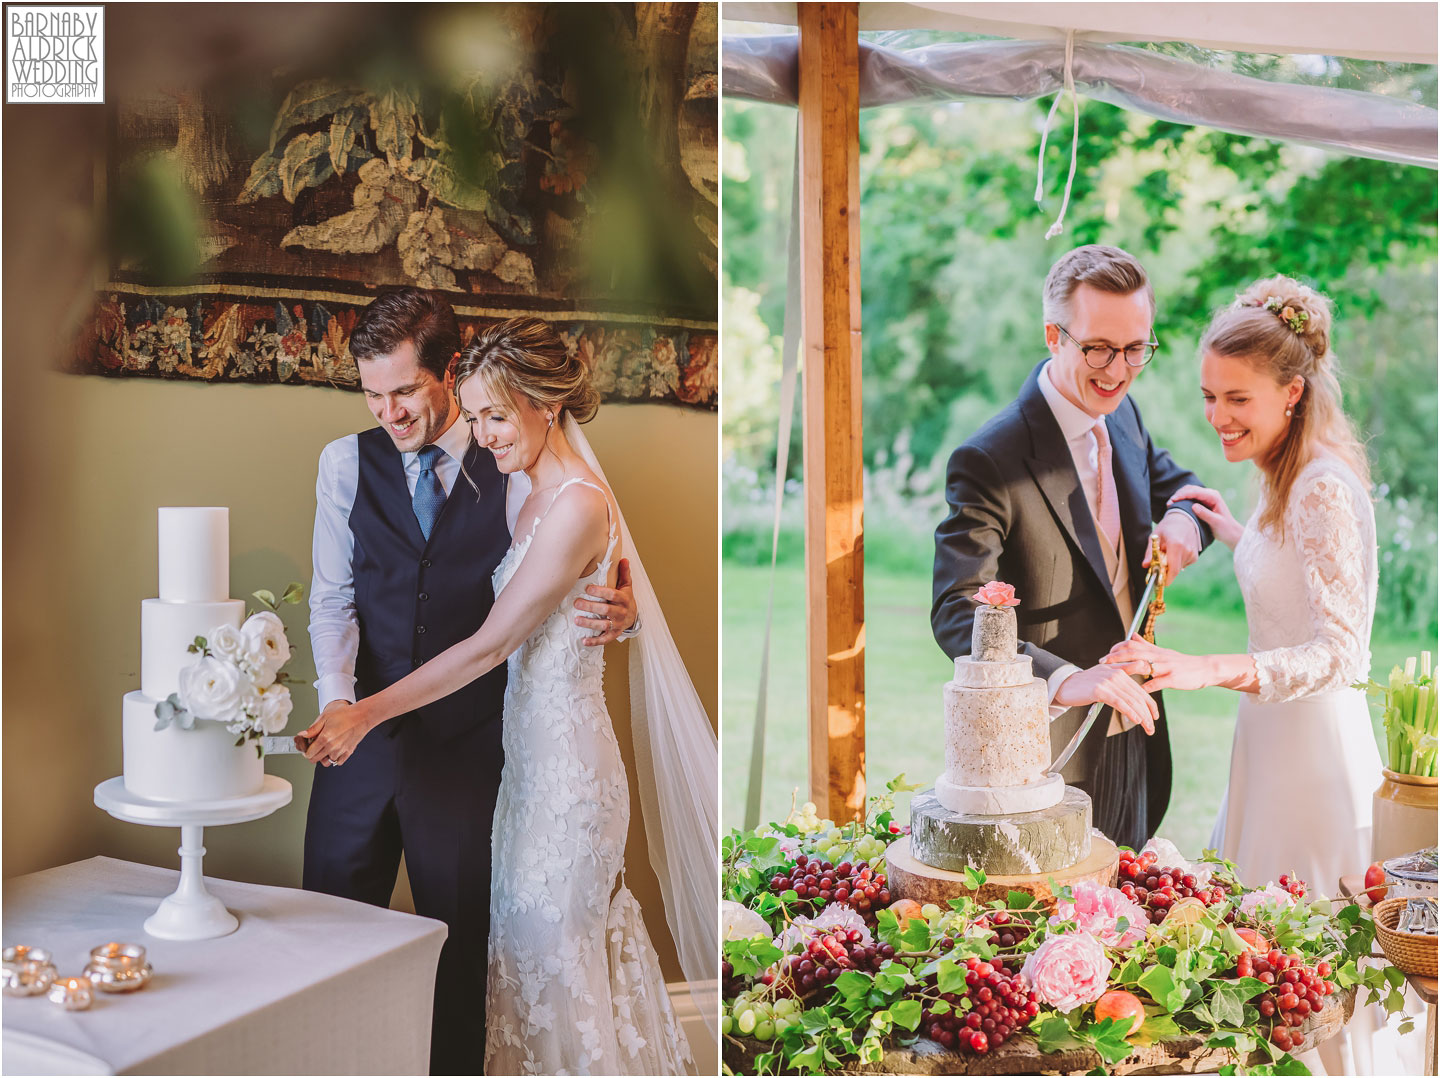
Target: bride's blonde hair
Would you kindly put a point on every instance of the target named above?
(1282, 328)
(524, 359)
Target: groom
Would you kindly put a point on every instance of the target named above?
(1056, 495)
(404, 548)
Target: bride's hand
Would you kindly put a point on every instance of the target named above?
(611, 610)
(1162, 667)
(1210, 507)
(332, 737)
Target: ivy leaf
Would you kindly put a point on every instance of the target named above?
(1053, 1033)
(1021, 900)
(974, 878)
(1160, 983)
(906, 1013)
(1156, 1027)
(950, 976)
(899, 785)
(852, 983)
(1108, 1038)
(916, 936)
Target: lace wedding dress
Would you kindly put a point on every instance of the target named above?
(1304, 764)
(574, 984)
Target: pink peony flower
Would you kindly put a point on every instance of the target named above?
(1068, 971)
(1272, 895)
(835, 916)
(1098, 910)
(996, 594)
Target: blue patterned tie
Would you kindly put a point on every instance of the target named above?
(429, 494)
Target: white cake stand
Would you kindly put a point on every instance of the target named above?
(191, 913)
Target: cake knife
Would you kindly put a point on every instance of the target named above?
(1141, 610)
(280, 745)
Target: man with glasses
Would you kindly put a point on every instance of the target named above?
(1058, 495)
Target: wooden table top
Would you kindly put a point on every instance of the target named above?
(1354, 887)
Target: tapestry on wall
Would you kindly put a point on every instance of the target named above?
(573, 177)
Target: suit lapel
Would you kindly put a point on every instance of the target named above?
(1053, 470)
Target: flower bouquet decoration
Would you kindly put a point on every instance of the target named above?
(824, 970)
(1409, 704)
(238, 678)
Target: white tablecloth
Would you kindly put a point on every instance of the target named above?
(308, 984)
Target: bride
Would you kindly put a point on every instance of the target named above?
(1303, 763)
(574, 985)
(1306, 565)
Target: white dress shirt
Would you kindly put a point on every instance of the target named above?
(334, 627)
(1078, 427)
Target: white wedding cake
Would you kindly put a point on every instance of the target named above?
(202, 763)
(997, 726)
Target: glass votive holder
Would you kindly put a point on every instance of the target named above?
(26, 971)
(118, 967)
(72, 993)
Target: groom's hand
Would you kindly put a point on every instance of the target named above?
(1107, 685)
(1179, 539)
(611, 610)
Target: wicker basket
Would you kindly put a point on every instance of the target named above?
(1410, 953)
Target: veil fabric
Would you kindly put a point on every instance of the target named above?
(676, 761)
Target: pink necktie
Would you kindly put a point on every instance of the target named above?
(1109, 509)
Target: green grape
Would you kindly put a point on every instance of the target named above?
(785, 1005)
(726, 1024)
(747, 1021)
(764, 1031)
(740, 1006)
(929, 910)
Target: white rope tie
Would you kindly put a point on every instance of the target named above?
(1059, 226)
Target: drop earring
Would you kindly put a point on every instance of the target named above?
(550, 419)
(1289, 411)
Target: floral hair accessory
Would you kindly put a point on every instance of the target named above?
(1289, 315)
(996, 594)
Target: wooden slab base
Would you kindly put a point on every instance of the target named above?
(909, 878)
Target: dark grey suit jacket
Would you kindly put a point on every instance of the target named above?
(1018, 514)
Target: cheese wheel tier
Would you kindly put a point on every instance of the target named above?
(909, 878)
(1048, 840)
(199, 764)
(997, 726)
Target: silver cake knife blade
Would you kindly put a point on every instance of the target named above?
(280, 745)
(1095, 709)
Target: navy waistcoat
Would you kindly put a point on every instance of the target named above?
(414, 598)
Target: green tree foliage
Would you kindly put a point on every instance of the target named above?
(952, 258)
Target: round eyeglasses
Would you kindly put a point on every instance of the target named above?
(1100, 356)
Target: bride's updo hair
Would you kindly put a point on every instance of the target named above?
(1282, 328)
(524, 359)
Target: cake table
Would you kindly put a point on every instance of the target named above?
(191, 913)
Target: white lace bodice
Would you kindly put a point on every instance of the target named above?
(1310, 600)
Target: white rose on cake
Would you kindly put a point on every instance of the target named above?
(273, 708)
(212, 689)
(227, 643)
(266, 648)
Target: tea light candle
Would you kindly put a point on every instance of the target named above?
(72, 993)
(27, 971)
(118, 967)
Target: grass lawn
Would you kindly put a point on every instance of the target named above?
(904, 672)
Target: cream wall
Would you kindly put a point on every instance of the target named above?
(86, 462)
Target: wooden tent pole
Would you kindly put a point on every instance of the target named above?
(830, 301)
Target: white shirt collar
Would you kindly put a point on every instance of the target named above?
(454, 442)
(1074, 421)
